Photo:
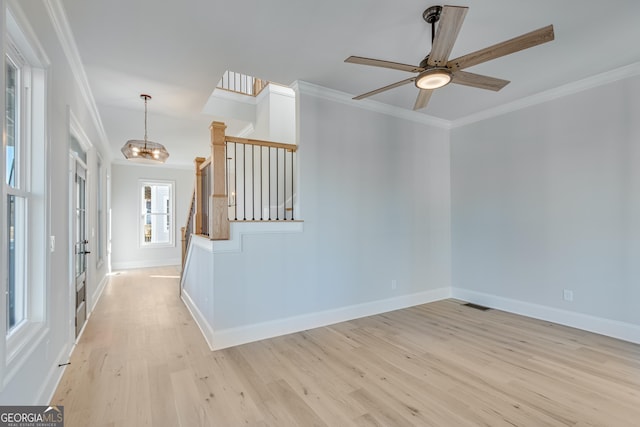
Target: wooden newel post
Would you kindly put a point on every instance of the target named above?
(219, 206)
(197, 226)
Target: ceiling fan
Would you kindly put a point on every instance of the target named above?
(436, 70)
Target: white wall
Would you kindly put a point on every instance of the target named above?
(227, 104)
(125, 199)
(375, 203)
(270, 115)
(276, 115)
(38, 372)
(548, 198)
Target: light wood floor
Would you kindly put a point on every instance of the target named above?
(142, 362)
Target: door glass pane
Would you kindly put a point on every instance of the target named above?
(11, 121)
(81, 226)
(16, 215)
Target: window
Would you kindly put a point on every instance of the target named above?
(156, 213)
(17, 197)
(100, 214)
(11, 121)
(23, 225)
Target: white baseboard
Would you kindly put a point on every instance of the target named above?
(612, 328)
(98, 293)
(241, 335)
(129, 265)
(51, 382)
(200, 319)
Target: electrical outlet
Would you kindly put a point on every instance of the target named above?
(567, 295)
(394, 284)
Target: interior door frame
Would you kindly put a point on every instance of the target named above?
(74, 163)
(76, 132)
(80, 242)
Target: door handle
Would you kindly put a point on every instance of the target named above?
(84, 252)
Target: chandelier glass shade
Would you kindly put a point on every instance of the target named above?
(144, 151)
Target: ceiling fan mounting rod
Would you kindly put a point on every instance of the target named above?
(432, 15)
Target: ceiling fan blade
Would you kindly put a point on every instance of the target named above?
(451, 20)
(383, 64)
(513, 45)
(382, 89)
(423, 99)
(479, 81)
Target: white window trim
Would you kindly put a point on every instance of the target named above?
(172, 214)
(101, 201)
(24, 49)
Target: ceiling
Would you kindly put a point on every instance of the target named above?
(177, 52)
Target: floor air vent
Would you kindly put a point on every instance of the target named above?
(476, 306)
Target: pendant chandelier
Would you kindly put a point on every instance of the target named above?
(144, 151)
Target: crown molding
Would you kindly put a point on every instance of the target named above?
(60, 23)
(279, 89)
(607, 77)
(307, 88)
(601, 79)
(19, 26)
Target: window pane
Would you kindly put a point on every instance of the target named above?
(16, 214)
(76, 147)
(100, 220)
(157, 218)
(155, 229)
(11, 121)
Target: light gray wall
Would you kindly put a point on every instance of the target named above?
(125, 200)
(33, 383)
(548, 198)
(374, 197)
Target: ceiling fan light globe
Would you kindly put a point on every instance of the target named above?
(433, 78)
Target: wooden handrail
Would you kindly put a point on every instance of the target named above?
(205, 163)
(237, 140)
(187, 230)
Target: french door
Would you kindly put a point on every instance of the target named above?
(81, 244)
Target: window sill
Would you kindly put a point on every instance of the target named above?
(21, 343)
(157, 245)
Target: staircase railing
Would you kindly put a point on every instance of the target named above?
(241, 83)
(187, 230)
(260, 180)
(243, 180)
